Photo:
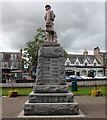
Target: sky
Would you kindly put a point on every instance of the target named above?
(79, 25)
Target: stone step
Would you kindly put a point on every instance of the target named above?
(50, 89)
(51, 108)
(50, 97)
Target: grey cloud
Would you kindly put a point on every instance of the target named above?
(79, 30)
(78, 25)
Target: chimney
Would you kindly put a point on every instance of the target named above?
(96, 51)
(97, 55)
(85, 52)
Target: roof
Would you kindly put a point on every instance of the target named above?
(81, 58)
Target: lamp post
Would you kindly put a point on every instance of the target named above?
(21, 59)
(104, 63)
(21, 62)
(30, 65)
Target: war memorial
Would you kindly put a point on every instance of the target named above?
(50, 95)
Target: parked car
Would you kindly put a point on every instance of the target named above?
(85, 77)
(27, 78)
(67, 78)
(100, 76)
(72, 77)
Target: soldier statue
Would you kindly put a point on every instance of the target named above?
(49, 18)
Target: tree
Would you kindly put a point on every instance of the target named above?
(65, 54)
(32, 47)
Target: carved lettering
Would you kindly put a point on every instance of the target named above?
(54, 75)
(46, 68)
(54, 61)
(55, 68)
(55, 71)
(54, 64)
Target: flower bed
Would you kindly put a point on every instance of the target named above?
(96, 91)
(13, 93)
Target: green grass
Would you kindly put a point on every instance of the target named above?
(21, 91)
(81, 90)
(87, 90)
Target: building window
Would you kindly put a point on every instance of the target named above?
(13, 56)
(1, 55)
(84, 72)
(94, 64)
(68, 63)
(5, 64)
(77, 63)
(2, 64)
(85, 64)
(14, 65)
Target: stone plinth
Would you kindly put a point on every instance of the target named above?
(51, 108)
(50, 89)
(50, 95)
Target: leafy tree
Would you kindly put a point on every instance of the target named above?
(23, 61)
(65, 54)
(32, 47)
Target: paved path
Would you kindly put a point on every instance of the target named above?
(92, 107)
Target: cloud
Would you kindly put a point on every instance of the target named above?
(78, 25)
(84, 27)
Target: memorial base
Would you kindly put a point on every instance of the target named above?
(51, 95)
(51, 108)
(51, 117)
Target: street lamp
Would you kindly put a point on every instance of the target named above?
(104, 63)
(21, 59)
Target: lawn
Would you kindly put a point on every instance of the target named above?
(21, 91)
(87, 90)
(81, 90)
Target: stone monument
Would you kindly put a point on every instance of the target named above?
(50, 95)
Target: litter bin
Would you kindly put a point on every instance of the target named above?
(74, 86)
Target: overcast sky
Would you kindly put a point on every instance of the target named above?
(79, 25)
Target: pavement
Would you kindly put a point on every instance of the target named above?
(91, 107)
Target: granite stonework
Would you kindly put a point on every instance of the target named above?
(50, 95)
(51, 108)
(50, 89)
(50, 70)
(55, 97)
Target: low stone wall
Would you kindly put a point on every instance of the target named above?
(79, 82)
